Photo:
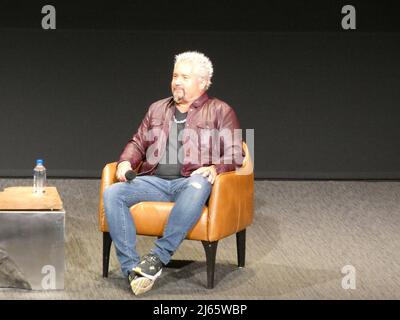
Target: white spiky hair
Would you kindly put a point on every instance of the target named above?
(202, 62)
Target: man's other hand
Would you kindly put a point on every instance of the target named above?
(209, 172)
(122, 168)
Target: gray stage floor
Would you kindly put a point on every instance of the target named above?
(304, 233)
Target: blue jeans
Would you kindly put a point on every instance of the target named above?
(189, 194)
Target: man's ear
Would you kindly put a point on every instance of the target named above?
(203, 83)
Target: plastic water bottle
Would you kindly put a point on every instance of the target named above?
(39, 177)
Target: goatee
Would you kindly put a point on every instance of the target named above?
(178, 97)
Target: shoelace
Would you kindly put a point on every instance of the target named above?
(151, 258)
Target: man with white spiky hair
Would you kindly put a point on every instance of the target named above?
(182, 144)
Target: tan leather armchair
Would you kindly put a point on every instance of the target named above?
(229, 211)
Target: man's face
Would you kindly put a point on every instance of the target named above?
(186, 84)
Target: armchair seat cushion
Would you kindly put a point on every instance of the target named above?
(151, 217)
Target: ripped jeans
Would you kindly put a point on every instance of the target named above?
(189, 194)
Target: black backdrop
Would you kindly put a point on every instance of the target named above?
(323, 102)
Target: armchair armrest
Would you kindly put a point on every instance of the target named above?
(108, 177)
(230, 206)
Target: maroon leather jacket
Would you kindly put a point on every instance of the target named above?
(205, 115)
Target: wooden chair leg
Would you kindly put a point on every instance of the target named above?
(211, 252)
(241, 247)
(106, 252)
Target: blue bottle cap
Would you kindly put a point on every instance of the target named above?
(39, 161)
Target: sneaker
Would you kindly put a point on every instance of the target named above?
(150, 267)
(139, 284)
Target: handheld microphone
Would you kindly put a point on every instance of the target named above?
(130, 175)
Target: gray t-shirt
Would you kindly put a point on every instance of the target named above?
(170, 165)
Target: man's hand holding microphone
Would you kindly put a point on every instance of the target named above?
(125, 172)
